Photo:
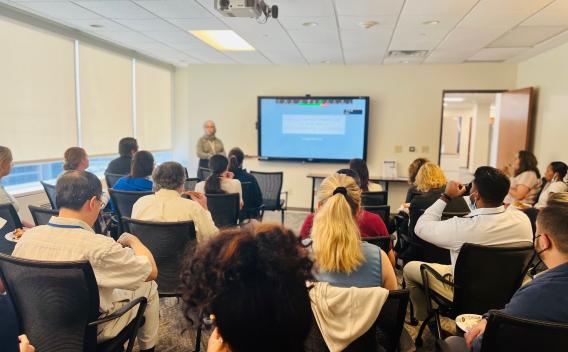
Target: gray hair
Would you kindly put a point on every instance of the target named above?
(169, 175)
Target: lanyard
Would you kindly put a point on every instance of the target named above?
(64, 226)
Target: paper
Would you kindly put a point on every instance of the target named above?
(389, 169)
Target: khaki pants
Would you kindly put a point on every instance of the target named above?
(148, 333)
(415, 286)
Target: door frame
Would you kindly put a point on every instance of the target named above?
(464, 91)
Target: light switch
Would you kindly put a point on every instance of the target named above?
(412, 149)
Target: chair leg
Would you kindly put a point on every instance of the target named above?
(282, 216)
(438, 324)
(413, 320)
(198, 339)
(418, 341)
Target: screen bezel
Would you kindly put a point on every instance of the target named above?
(311, 160)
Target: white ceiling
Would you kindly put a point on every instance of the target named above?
(468, 30)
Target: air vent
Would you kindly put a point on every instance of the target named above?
(408, 53)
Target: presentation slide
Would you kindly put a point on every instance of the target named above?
(313, 128)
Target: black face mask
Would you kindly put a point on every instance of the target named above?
(534, 245)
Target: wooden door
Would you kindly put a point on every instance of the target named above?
(516, 116)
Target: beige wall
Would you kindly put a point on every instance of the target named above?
(405, 108)
(548, 72)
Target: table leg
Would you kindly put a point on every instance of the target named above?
(313, 190)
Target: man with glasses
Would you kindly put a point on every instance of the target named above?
(124, 269)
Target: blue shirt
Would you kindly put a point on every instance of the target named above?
(127, 183)
(368, 274)
(545, 298)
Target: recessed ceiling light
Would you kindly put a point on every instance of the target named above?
(453, 99)
(430, 23)
(224, 40)
(368, 24)
(309, 24)
(95, 25)
(326, 62)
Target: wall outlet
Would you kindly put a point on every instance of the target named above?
(425, 149)
(398, 148)
(412, 149)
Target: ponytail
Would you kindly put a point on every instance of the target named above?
(236, 157)
(218, 165)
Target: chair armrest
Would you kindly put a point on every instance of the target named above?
(425, 269)
(285, 198)
(118, 313)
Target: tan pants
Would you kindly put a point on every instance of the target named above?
(415, 286)
(148, 333)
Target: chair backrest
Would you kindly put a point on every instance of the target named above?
(111, 179)
(381, 210)
(224, 208)
(380, 241)
(51, 194)
(205, 172)
(9, 213)
(270, 184)
(507, 333)
(385, 331)
(41, 215)
(123, 202)
(54, 302)
(486, 277)
(190, 183)
(374, 198)
(168, 242)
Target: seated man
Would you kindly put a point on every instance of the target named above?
(167, 205)
(127, 147)
(543, 298)
(122, 273)
(488, 224)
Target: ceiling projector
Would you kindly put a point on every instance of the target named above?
(246, 8)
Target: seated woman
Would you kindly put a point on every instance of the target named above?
(413, 169)
(360, 167)
(524, 179)
(138, 180)
(554, 182)
(6, 162)
(431, 181)
(341, 257)
(251, 282)
(221, 180)
(75, 158)
(252, 201)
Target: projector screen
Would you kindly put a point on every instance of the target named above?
(331, 129)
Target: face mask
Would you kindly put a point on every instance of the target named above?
(471, 203)
(536, 249)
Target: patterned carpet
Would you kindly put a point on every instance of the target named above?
(176, 336)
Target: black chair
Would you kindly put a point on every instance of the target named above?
(224, 208)
(270, 184)
(123, 202)
(374, 198)
(248, 211)
(508, 333)
(385, 332)
(111, 179)
(381, 210)
(190, 183)
(51, 194)
(57, 305)
(9, 213)
(384, 242)
(168, 242)
(203, 173)
(485, 277)
(42, 215)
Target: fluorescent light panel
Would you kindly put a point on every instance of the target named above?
(224, 40)
(453, 99)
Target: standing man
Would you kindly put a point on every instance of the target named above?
(207, 146)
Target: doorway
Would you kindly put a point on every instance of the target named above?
(483, 128)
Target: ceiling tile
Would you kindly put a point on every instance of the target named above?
(153, 25)
(117, 9)
(198, 23)
(314, 35)
(496, 54)
(441, 56)
(247, 57)
(171, 37)
(298, 22)
(355, 22)
(527, 36)
(555, 14)
(368, 7)
(463, 38)
(418, 37)
(502, 12)
(126, 37)
(316, 53)
(403, 60)
(100, 24)
(447, 12)
(175, 8)
(303, 8)
(61, 10)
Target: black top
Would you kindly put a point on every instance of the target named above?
(119, 166)
(412, 191)
(254, 199)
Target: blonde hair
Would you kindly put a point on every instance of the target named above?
(430, 176)
(73, 157)
(335, 233)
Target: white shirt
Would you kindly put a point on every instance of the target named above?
(6, 198)
(485, 226)
(168, 206)
(550, 187)
(229, 185)
(115, 267)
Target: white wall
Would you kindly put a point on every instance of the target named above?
(406, 102)
(548, 72)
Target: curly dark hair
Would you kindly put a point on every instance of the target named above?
(528, 162)
(253, 280)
